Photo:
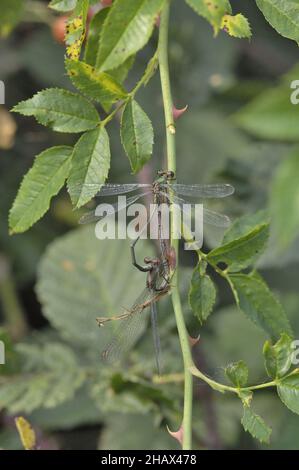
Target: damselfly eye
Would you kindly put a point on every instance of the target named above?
(170, 174)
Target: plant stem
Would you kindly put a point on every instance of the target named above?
(226, 388)
(165, 85)
(131, 95)
(171, 163)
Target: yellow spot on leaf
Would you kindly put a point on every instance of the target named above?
(75, 34)
(68, 265)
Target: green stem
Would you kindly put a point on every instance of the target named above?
(171, 163)
(110, 116)
(165, 85)
(226, 388)
(131, 95)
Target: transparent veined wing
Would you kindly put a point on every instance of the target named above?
(96, 189)
(203, 190)
(131, 325)
(210, 217)
(92, 216)
(215, 218)
(114, 189)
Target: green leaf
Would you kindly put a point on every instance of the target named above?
(11, 14)
(283, 15)
(237, 373)
(121, 72)
(126, 30)
(137, 135)
(212, 10)
(130, 394)
(93, 44)
(96, 85)
(90, 165)
(245, 224)
(288, 391)
(79, 279)
(259, 304)
(93, 39)
(60, 110)
(63, 5)
(78, 411)
(255, 425)
(278, 357)
(240, 253)
(271, 115)
(51, 377)
(40, 184)
(202, 294)
(237, 26)
(285, 194)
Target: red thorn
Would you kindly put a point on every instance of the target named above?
(194, 341)
(178, 435)
(177, 113)
(157, 22)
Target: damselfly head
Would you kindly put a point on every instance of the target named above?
(169, 174)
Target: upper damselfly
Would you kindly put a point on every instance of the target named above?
(160, 189)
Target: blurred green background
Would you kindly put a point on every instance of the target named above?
(55, 279)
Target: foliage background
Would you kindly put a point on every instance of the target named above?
(91, 406)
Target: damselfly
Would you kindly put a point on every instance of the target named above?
(160, 189)
(131, 321)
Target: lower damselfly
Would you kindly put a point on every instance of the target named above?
(131, 321)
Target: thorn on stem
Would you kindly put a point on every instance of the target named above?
(178, 112)
(194, 341)
(178, 435)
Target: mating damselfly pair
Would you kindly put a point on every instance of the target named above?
(164, 190)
